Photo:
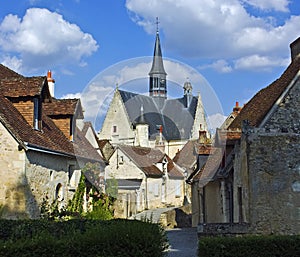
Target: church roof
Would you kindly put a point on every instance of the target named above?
(176, 120)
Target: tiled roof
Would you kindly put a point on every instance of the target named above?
(21, 86)
(63, 107)
(146, 158)
(209, 170)
(50, 138)
(187, 156)
(7, 73)
(227, 137)
(259, 106)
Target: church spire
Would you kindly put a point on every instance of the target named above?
(157, 74)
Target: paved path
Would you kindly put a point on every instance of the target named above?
(152, 215)
(183, 242)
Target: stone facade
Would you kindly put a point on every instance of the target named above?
(274, 179)
(255, 186)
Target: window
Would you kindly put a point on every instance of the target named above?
(72, 175)
(178, 188)
(72, 129)
(156, 189)
(114, 129)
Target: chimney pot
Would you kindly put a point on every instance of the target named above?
(51, 82)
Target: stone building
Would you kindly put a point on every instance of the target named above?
(250, 182)
(146, 178)
(43, 147)
(154, 120)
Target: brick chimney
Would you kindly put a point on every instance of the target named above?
(295, 49)
(237, 108)
(51, 82)
(202, 135)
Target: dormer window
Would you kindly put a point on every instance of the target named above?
(37, 113)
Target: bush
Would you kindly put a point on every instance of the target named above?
(248, 246)
(81, 238)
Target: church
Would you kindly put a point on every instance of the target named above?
(154, 120)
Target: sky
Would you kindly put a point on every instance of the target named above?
(227, 49)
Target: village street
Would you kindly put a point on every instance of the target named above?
(183, 241)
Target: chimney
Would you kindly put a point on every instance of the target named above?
(51, 82)
(202, 135)
(159, 144)
(237, 108)
(295, 49)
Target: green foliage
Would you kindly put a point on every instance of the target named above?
(112, 187)
(76, 205)
(81, 238)
(248, 246)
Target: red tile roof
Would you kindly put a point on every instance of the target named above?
(21, 86)
(259, 106)
(63, 107)
(7, 73)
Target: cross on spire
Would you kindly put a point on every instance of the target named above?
(157, 27)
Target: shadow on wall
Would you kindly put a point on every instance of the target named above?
(19, 202)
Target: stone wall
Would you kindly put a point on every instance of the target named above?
(48, 177)
(286, 115)
(14, 191)
(274, 182)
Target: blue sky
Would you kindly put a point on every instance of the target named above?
(238, 46)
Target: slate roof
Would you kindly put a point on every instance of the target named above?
(145, 158)
(259, 106)
(177, 121)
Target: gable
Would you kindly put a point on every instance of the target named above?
(116, 122)
(285, 114)
(260, 105)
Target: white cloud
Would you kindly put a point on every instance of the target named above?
(43, 38)
(13, 62)
(71, 96)
(221, 66)
(259, 63)
(220, 29)
(277, 5)
(215, 120)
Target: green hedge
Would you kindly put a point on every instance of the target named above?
(249, 246)
(81, 238)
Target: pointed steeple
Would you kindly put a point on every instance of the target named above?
(157, 74)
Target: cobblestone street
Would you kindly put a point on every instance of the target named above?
(183, 242)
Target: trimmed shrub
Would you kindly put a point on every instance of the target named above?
(81, 238)
(249, 246)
